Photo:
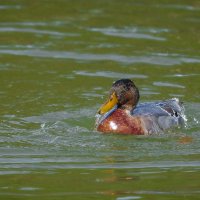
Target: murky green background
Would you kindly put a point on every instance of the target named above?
(57, 61)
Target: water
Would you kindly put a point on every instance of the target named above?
(58, 60)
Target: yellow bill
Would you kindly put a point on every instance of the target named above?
(112, 101)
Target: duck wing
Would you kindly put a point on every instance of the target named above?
(160, 115)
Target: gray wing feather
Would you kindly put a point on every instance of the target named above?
(160, 115)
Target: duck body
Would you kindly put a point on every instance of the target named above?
(128, 117)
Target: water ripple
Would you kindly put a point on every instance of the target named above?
(29, 30)
(126, 165)
(168, 60)
(166, 84)
(7, 7)
(134, 32)
(35, 23)
(178, 7)
(60, 115)
(109, 74)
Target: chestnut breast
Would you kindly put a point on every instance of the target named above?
(121, 121)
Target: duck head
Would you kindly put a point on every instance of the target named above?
(123, 94)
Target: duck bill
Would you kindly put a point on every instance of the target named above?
(109, 105)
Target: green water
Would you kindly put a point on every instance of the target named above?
(58, 60)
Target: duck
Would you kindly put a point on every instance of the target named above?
(122, 113)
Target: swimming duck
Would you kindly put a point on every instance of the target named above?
(122, 113)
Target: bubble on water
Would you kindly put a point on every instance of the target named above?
(195, 120)
(43, 126)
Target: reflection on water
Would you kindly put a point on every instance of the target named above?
(57, 63)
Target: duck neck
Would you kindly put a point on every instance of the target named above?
(127, 107)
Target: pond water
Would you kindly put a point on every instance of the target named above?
(58, 60)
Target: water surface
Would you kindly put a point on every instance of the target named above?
(58, 61)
